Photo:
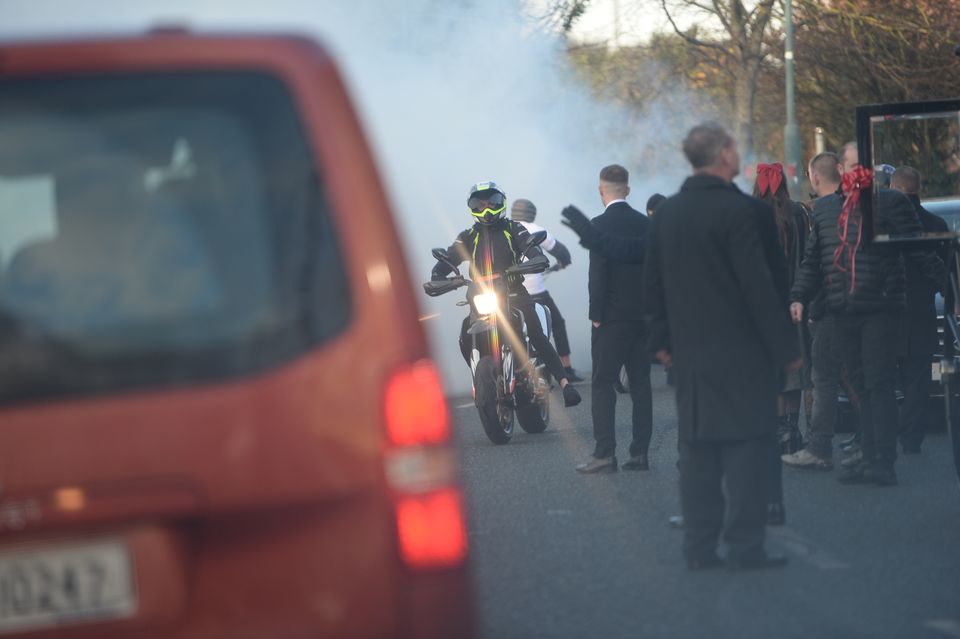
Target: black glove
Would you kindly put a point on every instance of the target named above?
(579, 224)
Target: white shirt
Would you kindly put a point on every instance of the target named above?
(536, 282)
(612, 202)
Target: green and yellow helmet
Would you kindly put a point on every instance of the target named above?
(487, 202)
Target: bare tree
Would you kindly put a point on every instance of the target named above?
(744, 44)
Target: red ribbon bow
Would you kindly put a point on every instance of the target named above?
(769, 177)
(854, 183)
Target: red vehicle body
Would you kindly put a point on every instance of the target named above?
(307, 492)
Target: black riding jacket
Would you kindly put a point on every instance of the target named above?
(489, 248)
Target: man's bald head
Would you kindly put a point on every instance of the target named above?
(825, 173)
(826, 166)
(849, 157)
(906, 179)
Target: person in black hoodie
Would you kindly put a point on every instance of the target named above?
(865, 294)
(920, 322)
(618, 338)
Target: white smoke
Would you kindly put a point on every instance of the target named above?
(450, 93)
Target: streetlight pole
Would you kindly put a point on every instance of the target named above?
(791, 133)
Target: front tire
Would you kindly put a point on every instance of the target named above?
(495, 416)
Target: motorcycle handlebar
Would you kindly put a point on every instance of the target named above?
(536, 265)
(433, 288)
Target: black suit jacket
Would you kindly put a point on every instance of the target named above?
(715, 287)
(921, 313)
(615, 286)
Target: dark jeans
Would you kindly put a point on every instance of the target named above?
(868, 348)
(826, 387)
(545, 352)
(915, 379)
(556, 321)
(615, 345)
(775, 471)
(705, 469)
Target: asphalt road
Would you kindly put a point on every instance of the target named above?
(557, 554)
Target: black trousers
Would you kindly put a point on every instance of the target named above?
(557, 322)
(524, 303)
(915, 379)
(826, 387)
(868, 347)
(740, 515)
(615, 345)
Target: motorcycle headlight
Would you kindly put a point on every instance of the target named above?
(485, 303)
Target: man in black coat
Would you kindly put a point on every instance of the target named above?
(865, 295)
(618, 338)
(920, 323)
(715, 313)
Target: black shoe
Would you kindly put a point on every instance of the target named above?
(776, 514)
(572, 374)
(760, 561)
(637, 462)
(570, 396)
(882, 476)
(704, 563)
(601, 465)
(856, 474)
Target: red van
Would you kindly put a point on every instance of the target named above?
(217, 415)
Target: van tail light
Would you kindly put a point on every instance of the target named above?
(431, 529)
(416, 408)
(420, 468)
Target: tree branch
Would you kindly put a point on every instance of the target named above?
(694, 41)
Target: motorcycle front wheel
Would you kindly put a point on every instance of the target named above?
(495, 416)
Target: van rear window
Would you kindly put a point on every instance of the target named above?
(158, 229)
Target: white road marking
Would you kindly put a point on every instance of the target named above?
(470, 405)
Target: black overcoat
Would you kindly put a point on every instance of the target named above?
(715, 303)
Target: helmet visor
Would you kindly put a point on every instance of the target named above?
(483, 200)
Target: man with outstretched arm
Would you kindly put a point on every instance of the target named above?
(715, 311)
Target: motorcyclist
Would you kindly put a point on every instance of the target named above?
(491, 245)
(525, 212)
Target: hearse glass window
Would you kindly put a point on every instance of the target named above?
(930, 143)
(157, 229)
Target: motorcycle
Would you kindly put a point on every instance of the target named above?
(502, 385)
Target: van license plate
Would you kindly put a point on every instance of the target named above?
(62, 585)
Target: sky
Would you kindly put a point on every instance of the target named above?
(619, 22)
(450, 94)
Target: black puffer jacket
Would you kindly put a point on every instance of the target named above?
(879, 284)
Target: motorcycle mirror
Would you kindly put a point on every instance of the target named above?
(441, 255)
(535, 239)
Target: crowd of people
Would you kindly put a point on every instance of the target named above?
(758, 305)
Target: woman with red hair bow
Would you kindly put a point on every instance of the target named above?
(791, 221)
